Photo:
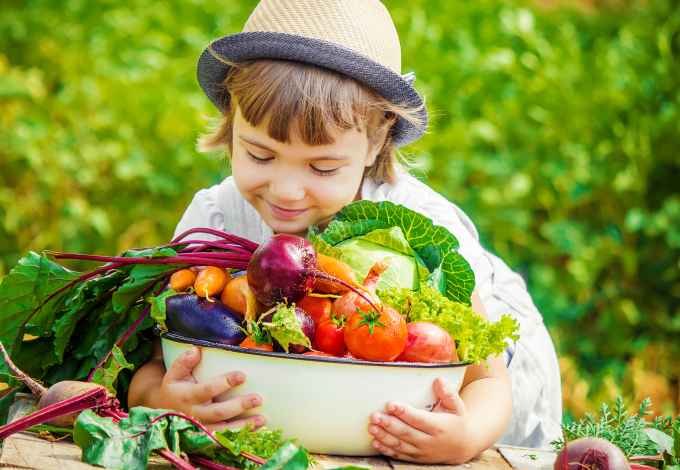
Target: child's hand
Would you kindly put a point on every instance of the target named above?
(439, 436)
(180, 391)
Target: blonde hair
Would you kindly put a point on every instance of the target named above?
(276, 95)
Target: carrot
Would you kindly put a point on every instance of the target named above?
(249, 343)
(319, 308)
(183, 279)
(338, 269)
(211, 281)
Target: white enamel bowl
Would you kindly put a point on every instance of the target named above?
(324, 403)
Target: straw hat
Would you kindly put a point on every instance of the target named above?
(354, 37)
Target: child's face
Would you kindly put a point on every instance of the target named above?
(295, 185)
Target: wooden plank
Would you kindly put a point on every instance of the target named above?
(335, 461)
(529, 459)
(487, 460)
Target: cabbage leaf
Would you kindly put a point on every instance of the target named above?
(366, 227)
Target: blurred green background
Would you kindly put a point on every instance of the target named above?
(555, 127)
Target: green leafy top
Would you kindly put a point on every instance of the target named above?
(630, 433)
(476, 338)
(435, 247)
(285, 328)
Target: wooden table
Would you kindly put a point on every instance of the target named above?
(27, 451)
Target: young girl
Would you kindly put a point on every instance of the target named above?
(313, 111)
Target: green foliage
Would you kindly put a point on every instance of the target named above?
(476, 338)
(556, 131)
(633, 434)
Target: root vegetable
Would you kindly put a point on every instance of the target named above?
(337, 269)
(183, 279)
(427, 342)
(305, 322)
(211, 281)
(591, 453)
(238, 296)
(284, 269)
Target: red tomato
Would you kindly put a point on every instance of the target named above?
(319, 308)
(330, 337)
(428, 342)
(384, 343)
(250, 344)
(319, 353)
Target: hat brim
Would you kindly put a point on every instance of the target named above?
(241, 47)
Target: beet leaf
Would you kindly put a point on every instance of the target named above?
(107, 376)
(158, 307)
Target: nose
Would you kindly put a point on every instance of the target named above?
(287, 187)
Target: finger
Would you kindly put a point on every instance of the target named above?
(389, 452)
(227, 409)
(421, 420)
(449, 400)
(209, 389)
(180, 370)
(392, 441)
(257, 420)
(398, 428)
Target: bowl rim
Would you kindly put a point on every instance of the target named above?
(179, 338)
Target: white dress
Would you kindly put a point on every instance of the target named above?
(532, 361)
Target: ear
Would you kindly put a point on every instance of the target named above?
(376, 145)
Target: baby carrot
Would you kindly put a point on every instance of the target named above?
(339, 270)
(211, 281)
(183, 279)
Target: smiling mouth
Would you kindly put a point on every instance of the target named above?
(285, 213)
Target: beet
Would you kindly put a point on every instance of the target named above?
(210, 320)
(282, 269)
(307, 328)
(591, 453)
(62, 391)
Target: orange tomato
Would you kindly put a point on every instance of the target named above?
(384, 343)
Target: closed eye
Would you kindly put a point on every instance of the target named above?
(324, 172)
(259, 161)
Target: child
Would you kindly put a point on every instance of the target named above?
(313, 111)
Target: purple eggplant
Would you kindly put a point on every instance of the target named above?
(305, 322)
(196, 317)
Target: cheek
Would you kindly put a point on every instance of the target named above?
(336, 192)
(248, 176)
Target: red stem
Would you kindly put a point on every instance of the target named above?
(224, 235)
(639, 458)
(178, 462)
(183, 258)
(349, 286)
(91, 399)
(209, 464)
(638, 466)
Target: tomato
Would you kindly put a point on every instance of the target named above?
(428, 342)
(319, 308)
(385, 342)
(248, 343)
(319, 353)
(330, 337)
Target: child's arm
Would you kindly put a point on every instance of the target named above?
(178, 390)
(460, 427)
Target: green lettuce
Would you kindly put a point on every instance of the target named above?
(419, 252)
(476, 338)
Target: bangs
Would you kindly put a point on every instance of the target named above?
(281, 96)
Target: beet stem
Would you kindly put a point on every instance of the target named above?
(178, 462)
(349, 286)
(224, 235)
(92, 399)
(35, 387)
(209, 464)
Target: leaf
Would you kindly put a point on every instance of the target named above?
(28, 286)
(362, 217)
(321, 246)
(142, 278)
(285, 328)
(289, 457)
(663, 440)
(107, 445)
(108, 375)
(158, 307)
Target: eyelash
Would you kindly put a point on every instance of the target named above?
(262, 161)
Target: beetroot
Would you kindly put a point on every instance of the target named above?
(305, 322)
(427, 342)
(591, 453)
(280, 270)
